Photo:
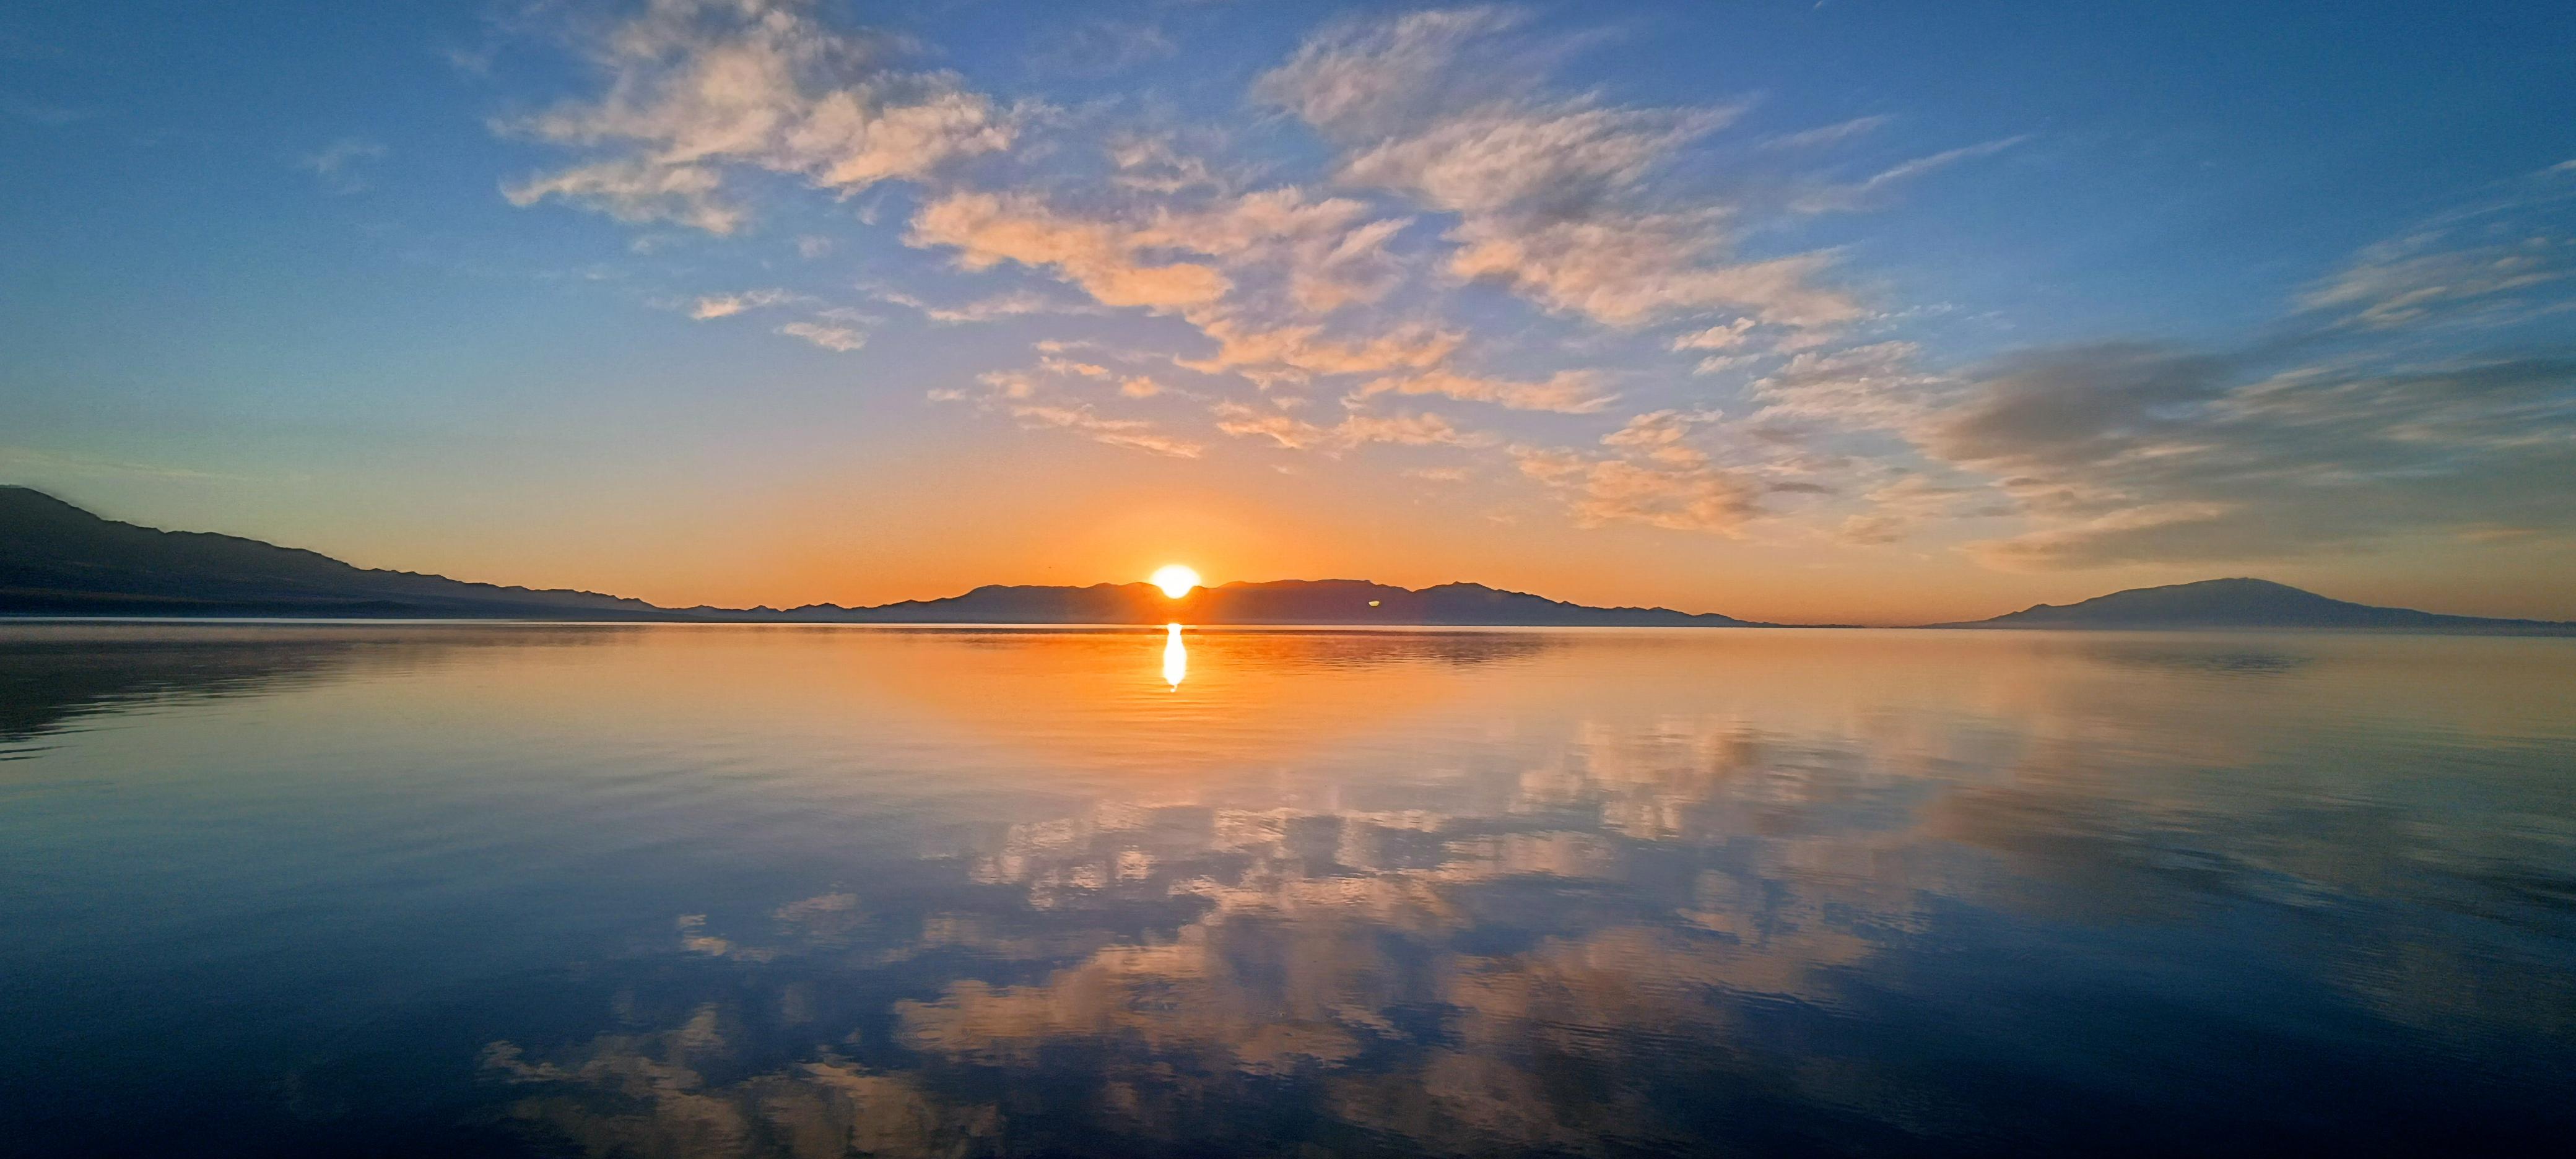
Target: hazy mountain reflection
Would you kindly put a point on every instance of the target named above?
(827, 892)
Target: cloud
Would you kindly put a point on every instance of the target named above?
(28, 463)
(2133, 453)
(2497, 262)
(1832, 134)
(1870, 193)
(1727, 336)
(694, 86)
(2130, 452)
(1631, 269)
(992, 308)
(1297, 353)
(1151, 164)
(43, 112)
(1100, 257)
(339, 164)
(1551, 195)
(1560, 159)
(1363, 77)
(1870, 386)
(1899, 508)
(1136, 433)
(1418, 429)
(1651, 475)
(1018, 303)
(1035, 403)
(1567, 391)
(835, 338)
(727, 305)
(1333, 250)
(1099, 48)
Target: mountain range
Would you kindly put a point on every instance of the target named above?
(59, 560)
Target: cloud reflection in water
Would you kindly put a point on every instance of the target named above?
(921, 893)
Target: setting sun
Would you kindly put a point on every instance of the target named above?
(1175, 580)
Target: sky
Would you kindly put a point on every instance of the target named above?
(1850, 311)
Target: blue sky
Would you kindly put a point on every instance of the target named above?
(1841, 310)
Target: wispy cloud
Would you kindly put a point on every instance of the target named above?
(1032, 401)
(1823, 135)
(342, 165)
(2498, 261)
(692, 87)
(44, 113)
(1550, 194)
(1009, 304)
(1101, 47)
(840, 339)
(1651, 473)
(1567, 391)
(714, 306)
(1418, 429)
(1871, 192)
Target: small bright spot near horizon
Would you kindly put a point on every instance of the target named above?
(1176, 580)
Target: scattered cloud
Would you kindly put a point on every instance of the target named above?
(1823, 135)
(694, 87)
(341, 165)
(1103, 258)
(1871, 386)
(1460, 192)
(841, 339)
(1136, 433)
(1418, 429)
(1100, 48)
(1033, 402)
(2502, 260)
(2137, 453)
(1651, 474)
(1567, 391)
(713, 306)
(1897, 509)
(1551, 196)
(1871, 193)
(44, 113)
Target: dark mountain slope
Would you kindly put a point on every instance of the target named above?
(56, 559)
(60, 560)
(1273, 602)
(2243, 603)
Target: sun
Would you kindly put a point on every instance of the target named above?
(1175, 580)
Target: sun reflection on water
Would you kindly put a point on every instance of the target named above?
(1176, 657)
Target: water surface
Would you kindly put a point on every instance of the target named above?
(760, 890)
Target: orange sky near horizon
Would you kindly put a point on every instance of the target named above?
(1079, 514)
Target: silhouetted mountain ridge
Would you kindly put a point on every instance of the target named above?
(2241, 603)
(1330, 601)
(56, 559)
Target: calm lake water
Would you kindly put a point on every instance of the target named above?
(668, 891)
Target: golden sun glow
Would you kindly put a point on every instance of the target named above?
(1175, 580)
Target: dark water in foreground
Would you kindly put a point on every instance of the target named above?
(664, 891)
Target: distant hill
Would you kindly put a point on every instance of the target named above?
(2246, 603)
(1274, 602)
(56, 559)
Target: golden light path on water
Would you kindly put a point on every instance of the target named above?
(1176, 657)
